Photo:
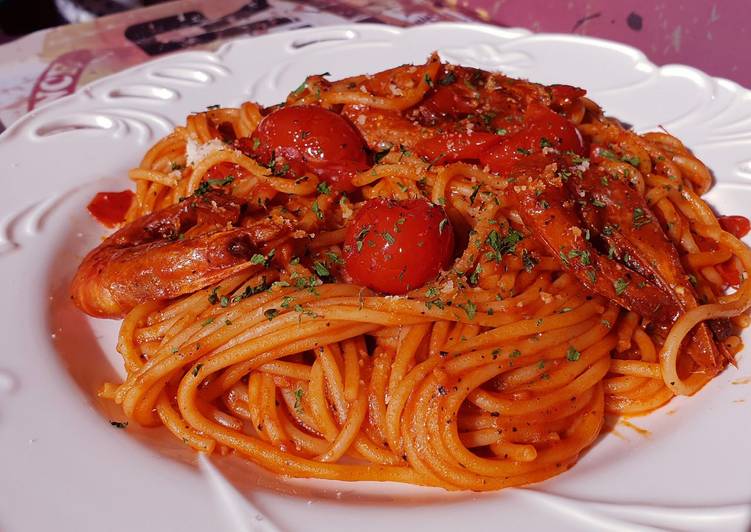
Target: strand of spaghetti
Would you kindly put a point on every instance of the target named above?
(398, 400)
(636, 368)
(409, 341)
(491, 403)
(349, 430)
(351, 370)
(274, 460)
(528, 327)
(178, 427)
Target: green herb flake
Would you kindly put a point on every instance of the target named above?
(323, 187)
(321, 269)
(640, 217)
(298, 401)
(270, 313)
(197, 369)
(620, 286)
(572, 355)
(257, 258)
(447, 79)
(317, 210)
(470, 308)
(473, 196)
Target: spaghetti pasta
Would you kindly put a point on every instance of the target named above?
(581, 274)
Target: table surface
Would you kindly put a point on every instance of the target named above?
(712, 36)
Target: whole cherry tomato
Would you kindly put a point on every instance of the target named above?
(738, 226)
(395, 246)
(306, 138)
(543, 129)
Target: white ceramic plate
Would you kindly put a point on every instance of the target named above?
(64, 467)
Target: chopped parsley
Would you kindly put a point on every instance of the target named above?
(572, 355)
(206, 186)
(620, 286)
(317, 210)
(360, 237)
(428, 80)
(323, 187)
(528, 260)
(447, 79)
(473, 196)
(597, 203)
(503, 245)
(333, 257)
(321, 269)
(388, 237)
(197, 369)
(298, 401)
(640, 217)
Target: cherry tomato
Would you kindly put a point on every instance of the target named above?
(738, 226)
(306, 138)
(543, 128)
(455, 146)
(395, 246)
(110, 208)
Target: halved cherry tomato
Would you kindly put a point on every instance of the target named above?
(738, 226)
(455, 146)
(395, 246)
(306, 138)
(110, 208)
(543, 128)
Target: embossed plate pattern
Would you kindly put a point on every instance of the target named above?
(63, 466)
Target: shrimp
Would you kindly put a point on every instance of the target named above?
(630, 229)
(165, 254)
(548, 208)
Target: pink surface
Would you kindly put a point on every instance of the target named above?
(712, 36)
